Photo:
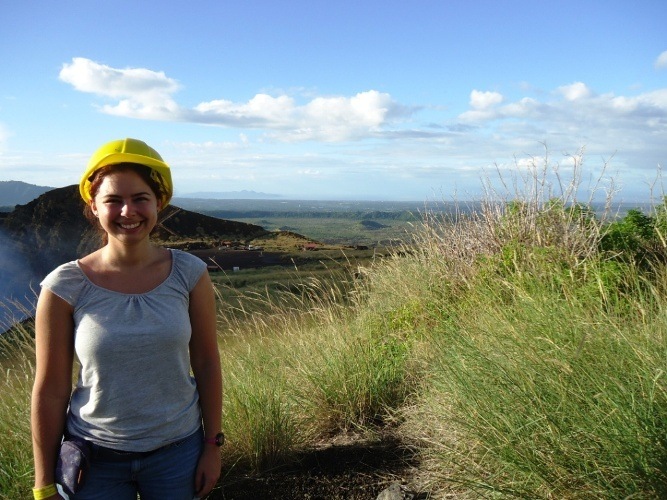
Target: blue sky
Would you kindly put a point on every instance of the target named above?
(389, 100)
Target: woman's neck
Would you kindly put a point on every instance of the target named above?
(117, 256)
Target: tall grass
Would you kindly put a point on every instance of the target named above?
(546, 362)
(303, 369)
(16, 362)
(546, 397)
(511, 353)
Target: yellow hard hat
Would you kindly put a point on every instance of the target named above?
(128, 151)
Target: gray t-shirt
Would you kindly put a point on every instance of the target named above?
(135, 391)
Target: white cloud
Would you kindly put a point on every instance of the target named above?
(661, 61)
(142, 93)
(578, 112)
(146, 94)
(484, 100)
(525, 107)
(323, 118)
(485, 108)
(88, 76)
(575, 91)
(260, 111)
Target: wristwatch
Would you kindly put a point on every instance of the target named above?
(218, 440)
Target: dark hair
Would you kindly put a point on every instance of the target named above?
(146, 173)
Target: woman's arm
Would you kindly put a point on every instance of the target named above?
(54, 349)
(205, 362)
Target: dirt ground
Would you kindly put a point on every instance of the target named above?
(352, 471)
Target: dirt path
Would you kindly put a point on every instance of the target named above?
(353, 471)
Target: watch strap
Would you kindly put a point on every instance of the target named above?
(218, 440)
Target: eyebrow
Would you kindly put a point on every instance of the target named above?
(133, 195)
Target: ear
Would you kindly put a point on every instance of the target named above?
(93, 207)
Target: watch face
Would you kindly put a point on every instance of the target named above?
(219, 439)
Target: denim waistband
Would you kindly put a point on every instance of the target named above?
(111, 455)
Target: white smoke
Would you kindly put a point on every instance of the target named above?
(18, 284)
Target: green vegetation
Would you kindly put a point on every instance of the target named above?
(520, 351)
(339, 229)
(17, 364)
(330, 222)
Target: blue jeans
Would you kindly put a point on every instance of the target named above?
(168, 473)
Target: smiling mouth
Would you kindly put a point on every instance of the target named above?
(130, 226)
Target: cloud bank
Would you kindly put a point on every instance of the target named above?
(573, 108)
(146, 94)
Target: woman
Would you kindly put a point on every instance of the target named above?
(140, 319)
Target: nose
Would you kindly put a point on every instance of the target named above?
(128, 209)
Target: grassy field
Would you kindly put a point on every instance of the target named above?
(340, 231)
(329, 222)
(515, 352)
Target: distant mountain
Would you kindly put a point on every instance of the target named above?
(19, 193)
(231, 195)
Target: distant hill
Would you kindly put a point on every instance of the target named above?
(231, 195)
(19, 193)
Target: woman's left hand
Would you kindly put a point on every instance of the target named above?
(208, 470)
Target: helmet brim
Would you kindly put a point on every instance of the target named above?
(115, 158)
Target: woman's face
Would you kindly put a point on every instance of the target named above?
(126, 206)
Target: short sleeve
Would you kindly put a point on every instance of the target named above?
(66, 281)
(189, 267)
